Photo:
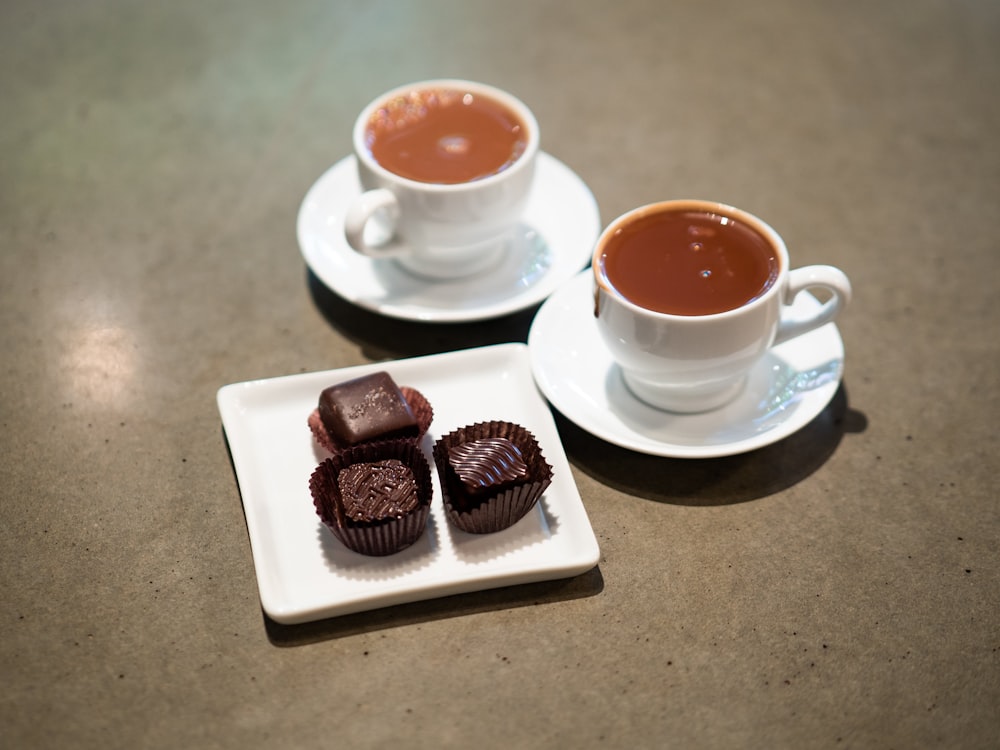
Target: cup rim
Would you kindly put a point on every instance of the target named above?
(686, 204)
(522, 110)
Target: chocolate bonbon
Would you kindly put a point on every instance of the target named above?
(375, 497)
(487, 464)
(497, 493)
(376, 490)
(366, 408)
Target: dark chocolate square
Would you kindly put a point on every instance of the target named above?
(367, 408)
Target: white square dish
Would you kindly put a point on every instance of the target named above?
(304, 573)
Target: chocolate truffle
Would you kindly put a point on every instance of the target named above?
(492, 474)
(366, 408)
(423, 412)
(375, 497)
(377, 490)
(487, 464)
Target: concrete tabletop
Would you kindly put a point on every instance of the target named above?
(838, 588)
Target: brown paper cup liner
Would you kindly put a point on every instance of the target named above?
(420, 406)
(377, 538)
(485, 514)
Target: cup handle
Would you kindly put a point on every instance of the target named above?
(379, 209)
(824, 277)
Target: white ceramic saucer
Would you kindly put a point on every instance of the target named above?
(552, 243)
(785, 390)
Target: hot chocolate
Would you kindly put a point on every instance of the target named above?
(689, 262)
(445, 136)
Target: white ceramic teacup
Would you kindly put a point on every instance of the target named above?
(698, 362)
(433, 228)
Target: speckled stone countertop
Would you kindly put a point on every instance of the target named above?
(839, 588)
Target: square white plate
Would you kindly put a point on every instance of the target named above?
(304, 573)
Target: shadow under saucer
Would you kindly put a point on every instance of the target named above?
(381, 337)
(714, 481)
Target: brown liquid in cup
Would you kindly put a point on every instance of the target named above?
(689, 262)
(445, 136)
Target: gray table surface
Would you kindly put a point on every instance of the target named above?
(840, 588)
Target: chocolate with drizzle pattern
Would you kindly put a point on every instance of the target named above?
(487, 464)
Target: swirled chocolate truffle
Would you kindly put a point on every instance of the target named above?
(491, 463)
(492, 474)
(366, 408)
(377, 490)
